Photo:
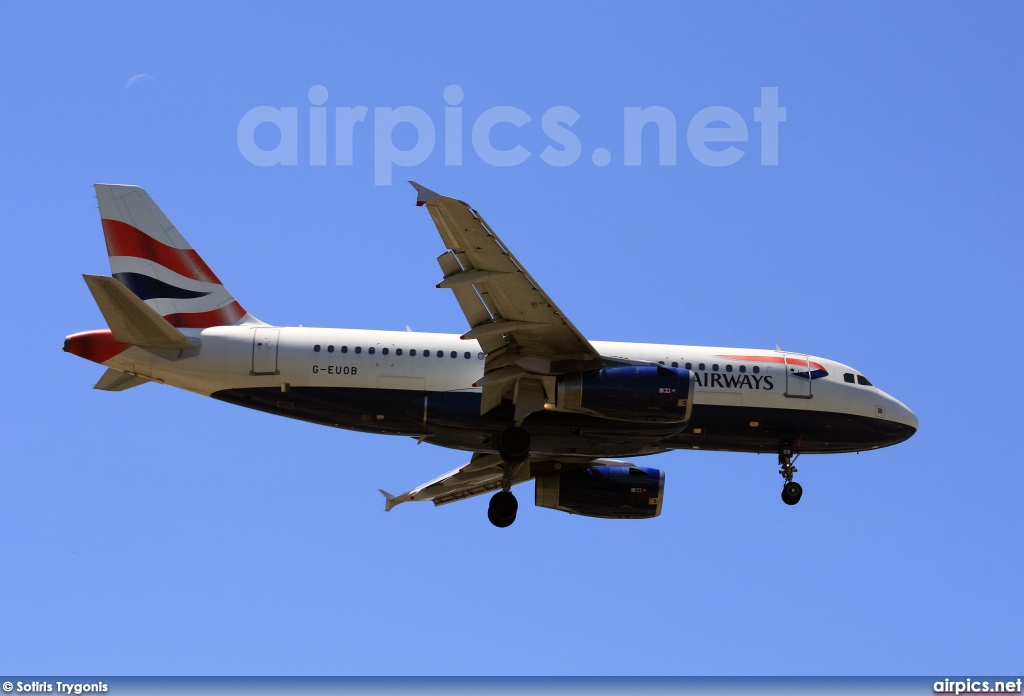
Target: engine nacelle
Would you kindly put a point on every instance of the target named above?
(614, 492)
(634, 393)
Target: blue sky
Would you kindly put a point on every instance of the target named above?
(156, 532)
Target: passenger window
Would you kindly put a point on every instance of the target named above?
(689, 366)
(398, 351)
(466, 355)
(675, 364)
(455, 354)
(412, 351)
(385, 351)
(701, 366)
(330, 349)
(440, 354)
(728, 368)
(848, 377)
(756, 369)
(661, 362)
(714, 368)
(359, 349)
(479, 356)
(371, 350)
(316, 348)
(861, 379)
(743, 368)
(344, 349)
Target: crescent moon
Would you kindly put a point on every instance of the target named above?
(136, 79)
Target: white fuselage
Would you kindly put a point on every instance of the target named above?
(286, 358)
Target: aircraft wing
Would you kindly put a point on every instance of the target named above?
(481, 475)
(520, 328)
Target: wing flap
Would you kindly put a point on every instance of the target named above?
(469, 301)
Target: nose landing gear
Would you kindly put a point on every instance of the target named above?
(514, 449)
(791, 490)
(791, 493)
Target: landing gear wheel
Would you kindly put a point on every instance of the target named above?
(514, 449)
(791, 493)
(791, 490)
(514, 445)
(502, 509)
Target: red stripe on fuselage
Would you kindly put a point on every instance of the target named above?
(98, 346)
(774, 359)
(125, 240)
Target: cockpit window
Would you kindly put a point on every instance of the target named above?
(848, 377)
(861, 379)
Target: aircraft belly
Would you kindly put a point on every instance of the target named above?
(763, 429)
(451, 419)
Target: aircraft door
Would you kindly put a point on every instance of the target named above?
(798, 375)
(264, 351)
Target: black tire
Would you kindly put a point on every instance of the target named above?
(514, 445)
(500, 521)
(791, 493)
(503, 505)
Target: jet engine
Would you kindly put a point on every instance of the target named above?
(634, 393)
(614, 492)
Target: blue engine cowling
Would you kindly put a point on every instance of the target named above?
(614, 492)
(634, 393)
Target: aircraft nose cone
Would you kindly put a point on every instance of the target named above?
(906, 416)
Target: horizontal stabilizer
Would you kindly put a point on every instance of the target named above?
(130, 319)
(116, 380)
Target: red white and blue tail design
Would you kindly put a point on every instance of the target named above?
(152, 259)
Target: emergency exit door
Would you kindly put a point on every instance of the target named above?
(264, 351)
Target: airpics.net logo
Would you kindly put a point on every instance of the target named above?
(956, 687)
(715, 135)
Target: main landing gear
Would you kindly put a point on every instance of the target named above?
(514, 449)
(791, 490)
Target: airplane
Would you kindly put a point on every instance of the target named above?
(522, 389)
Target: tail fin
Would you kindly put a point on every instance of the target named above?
(150, 257)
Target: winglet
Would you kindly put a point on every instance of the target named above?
(390, 500)
(423, 194)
